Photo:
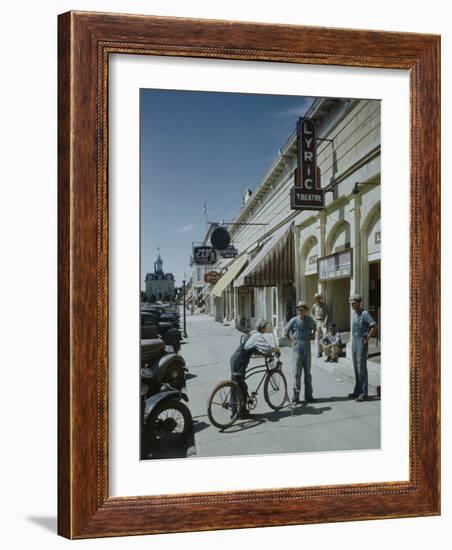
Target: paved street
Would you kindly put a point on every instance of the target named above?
(333, 422)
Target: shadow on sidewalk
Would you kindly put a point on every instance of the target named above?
(337, 399)
(333, 399)
(299, 410)
(274, 416)
(199, 425)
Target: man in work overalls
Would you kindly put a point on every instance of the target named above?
(301, 330)
(363, 328)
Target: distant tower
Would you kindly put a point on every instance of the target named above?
(158, 264)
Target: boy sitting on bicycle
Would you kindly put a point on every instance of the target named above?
(255, 343)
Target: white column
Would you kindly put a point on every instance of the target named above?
(281, 308)
(226, 301)
(355, 242)
(364, 274)
(235, 313)
(297, 260)
(354, 209)
(321, 238)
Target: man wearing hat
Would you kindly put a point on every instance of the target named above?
(320, 314)
(301, 330)
(363, 328)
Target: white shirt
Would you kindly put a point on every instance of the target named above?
(257, 340)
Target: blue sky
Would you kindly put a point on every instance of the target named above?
(202, 147)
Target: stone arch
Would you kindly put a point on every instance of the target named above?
(373, 216)
(309, 243)
(340, 230)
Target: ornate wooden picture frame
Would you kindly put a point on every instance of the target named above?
(86, 40)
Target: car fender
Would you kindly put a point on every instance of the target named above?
(167, 361)
(151, 402)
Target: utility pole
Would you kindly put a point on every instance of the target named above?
(184, 276)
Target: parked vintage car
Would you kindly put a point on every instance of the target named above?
(153, 327)
(166, 421)
(162, 363)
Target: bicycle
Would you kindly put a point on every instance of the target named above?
(227, 400)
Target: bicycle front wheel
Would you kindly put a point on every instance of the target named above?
(224, 405)
(275, 389)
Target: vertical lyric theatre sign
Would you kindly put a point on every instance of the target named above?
(307, 193)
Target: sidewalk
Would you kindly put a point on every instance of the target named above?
(344, 369)
(333, 422)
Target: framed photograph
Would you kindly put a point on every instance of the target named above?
(248, 259)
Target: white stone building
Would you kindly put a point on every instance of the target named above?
(334, 251)
(159, 285)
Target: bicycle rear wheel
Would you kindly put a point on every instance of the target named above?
(224, 405)
(275, 389)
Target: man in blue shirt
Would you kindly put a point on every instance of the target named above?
(301, 330)
(363, 328)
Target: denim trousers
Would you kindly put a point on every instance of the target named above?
(302, 363)
(359, 358)
(239, 379)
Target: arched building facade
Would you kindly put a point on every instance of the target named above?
(334, 251)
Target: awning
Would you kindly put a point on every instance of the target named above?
(229, 276)
(274, 264)
(223, 263)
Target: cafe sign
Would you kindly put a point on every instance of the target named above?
(204, 255)
(335, 266)
(306, 193)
